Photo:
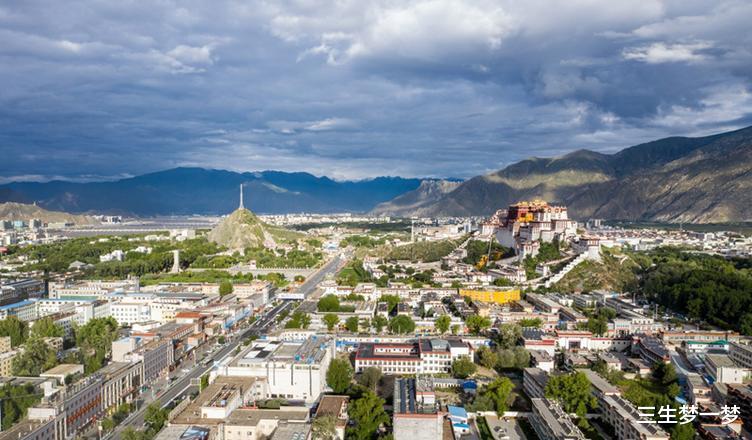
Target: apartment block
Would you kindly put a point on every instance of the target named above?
(421, 356)
(551, 422)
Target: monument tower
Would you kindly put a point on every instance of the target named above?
(241, 196)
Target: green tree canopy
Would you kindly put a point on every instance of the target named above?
(330, 319)
(225, 288)
(442, 323)
(391, 301)
(476, 323)
(328, 303)
(378, 323)
(299, 319)
(15, 328)
(573, 391)
(508, 335)
(463, 368)
(324, 428)
(367, 414)
(370, 377)
(352, 323)
(46, 328)
(401, 324)
(36, 358)
(493, 397)
(339, 375)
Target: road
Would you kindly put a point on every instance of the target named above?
(177, 388)
(310, 284)
(261, 326)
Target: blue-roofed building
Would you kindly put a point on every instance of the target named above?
(458, 417)
(24, 310)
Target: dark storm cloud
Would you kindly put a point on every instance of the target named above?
(353, 89)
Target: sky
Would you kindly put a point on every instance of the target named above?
(97, 90)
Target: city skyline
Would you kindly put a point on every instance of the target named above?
(420, 89)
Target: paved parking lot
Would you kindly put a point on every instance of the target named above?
(504, 429)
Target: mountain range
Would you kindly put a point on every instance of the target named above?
(676, 179)
(184, 191)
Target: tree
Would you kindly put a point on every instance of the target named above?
(339, 375)
(324, 428)
(597, 326)
(487, 357)
(498, 392)
(665, 373)
(455, 329)
(352, 323)
(532, 322)
(330, 319)
(573, 392)
(36, 358)
(131, 434)
(225, 288)
(508, 335)
(328, 303)
(367, 414)
(683, 431)
(442, 323)
(401, 324)
(298, 319)
(463, 368)
(370, 377)
(46, 328)
(378, 323)
(391, 301)
(108, 424)
(15, 328)
(745, 324)
(155, 416)
(476, 323)
(521, 357)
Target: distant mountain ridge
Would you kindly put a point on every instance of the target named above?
(183, 191)
(676, 179)
(20, 211)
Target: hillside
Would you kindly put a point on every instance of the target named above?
(703, 180)
(22, 211)
(184, 191)
(412, 202)
(240, 230)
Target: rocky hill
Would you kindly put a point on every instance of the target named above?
(22, 211)
(240, 230)
(703, 180)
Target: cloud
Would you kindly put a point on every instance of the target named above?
(657, 53)
(350, 88)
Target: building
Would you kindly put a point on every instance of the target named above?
(551, 422)
(534, 381)
(34, 429)
(6, 362)
(61, 372)
(724, 370)
(335, 407)
(741, 354)
(5, 345)
(422, 356)
(76, 406)
(23, 289)
(741, 396)
(415, 419)
(620, 413)
(294, 370)
(650, 349)
(494, 296)
(122, 381)
(126, 313)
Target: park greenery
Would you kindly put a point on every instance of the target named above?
(476, 324)
(370, 378)
(426, 251)
(546, 253)
(352, 274)
(704, 287)
(14, 328)
(264, 257)
(477, 249)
